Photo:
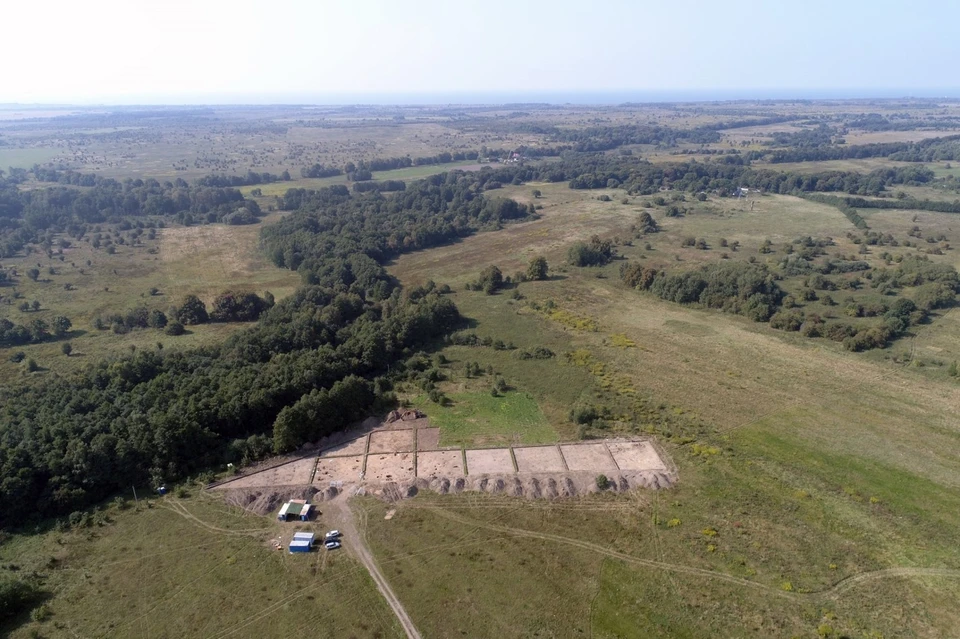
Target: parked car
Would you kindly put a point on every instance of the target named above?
(333, 534)
(332, 545)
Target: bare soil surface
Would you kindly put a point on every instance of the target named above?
(440, 463)
(588, 457)
(386, 467)
(383, 441)
(534, 459)
(493, 460)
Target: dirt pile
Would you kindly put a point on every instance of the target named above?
(264, 501)
(553, 486)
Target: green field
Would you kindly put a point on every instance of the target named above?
(478, 419)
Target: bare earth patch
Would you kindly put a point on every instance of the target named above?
(490, 460)
(391, 441)
(428, 438)
(292, 474)
(338, 469)
(539, 459)
(635, 456)
(352, 447)
(440, 463)
(389, 467)
(588, 457)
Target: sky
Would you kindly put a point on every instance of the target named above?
(296, 51)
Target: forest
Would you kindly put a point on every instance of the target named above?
(156, 416)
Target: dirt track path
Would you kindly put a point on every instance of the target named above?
(355, 543)
(834, 591)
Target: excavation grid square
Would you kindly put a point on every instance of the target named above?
(353, 447)
(338, 469)
(489, 461)
(590, 457)
(389, 467)
(391, 441)
(635, 456)
(440, 463)
(539, 459)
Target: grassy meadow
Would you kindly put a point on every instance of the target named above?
(180, 261)
(191, 567)
(804, 469)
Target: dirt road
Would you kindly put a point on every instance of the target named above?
(340, 515)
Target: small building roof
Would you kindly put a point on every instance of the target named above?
(309, 536)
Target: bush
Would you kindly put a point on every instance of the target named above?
(583, 414)
(16, 597)
(174, 328)
(597, 253)
(192, 311)
(602, 482)
(537, 269)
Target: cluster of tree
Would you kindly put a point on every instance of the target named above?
(605, 138)
(383, 186)
(357, 232)
(930, 150)
(722, 177)
(140, 317)
(877, 122)
(827, 151)
(320, 171)
(37, 331)
(154, 416)
(734, 287)
(595, 253)
(66, 208)
(906, 203)
(251, 178)
(490, 281)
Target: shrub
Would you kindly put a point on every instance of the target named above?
(537, 269)
(597, 253)
(602, 482)
(16, 596)
(192, 311)
(174, 328)
(583, 414)
(787, 320)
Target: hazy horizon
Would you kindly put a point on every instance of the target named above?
(248, 51)
(492, 97)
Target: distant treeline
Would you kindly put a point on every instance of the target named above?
(724, 176)
(811, 147)
(908, 203)
(251, 178)
(65, 209)
(386, 185)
